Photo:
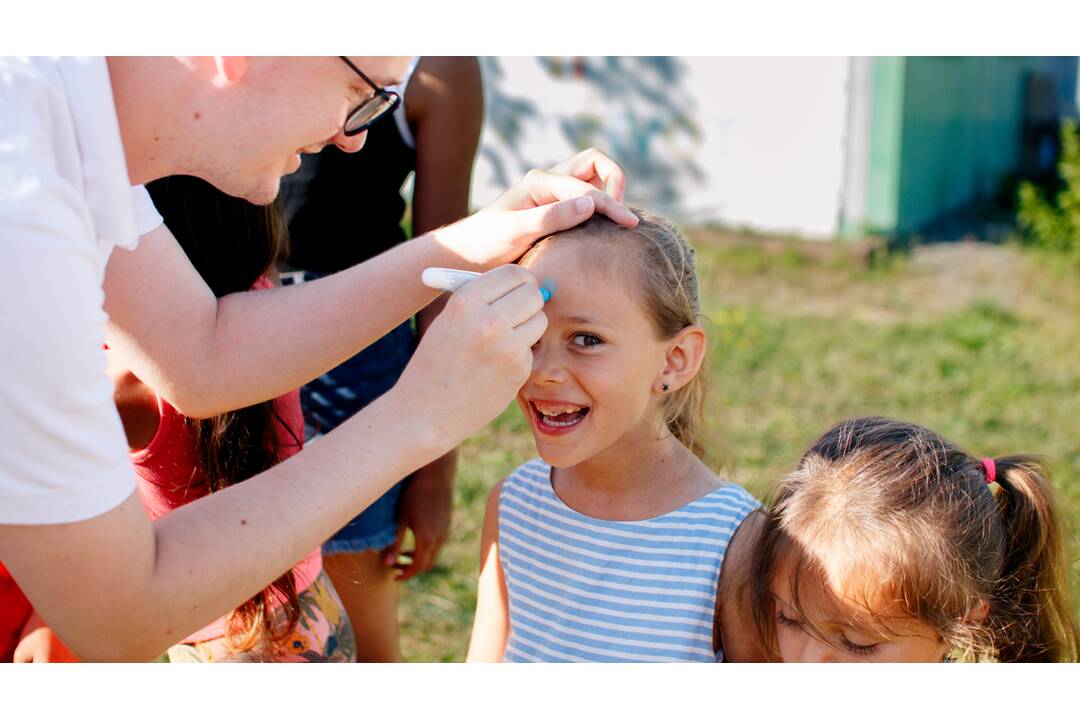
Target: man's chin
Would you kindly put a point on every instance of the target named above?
(264, 193)
(261, 198)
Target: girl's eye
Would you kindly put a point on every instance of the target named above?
(786, 621)
(585, 340)
(855, 649)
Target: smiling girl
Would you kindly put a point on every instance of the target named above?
(619, 544)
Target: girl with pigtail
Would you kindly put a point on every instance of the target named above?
(890, 543)
(619, 543)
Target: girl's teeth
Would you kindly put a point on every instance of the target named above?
(554, 423)
(559, 411)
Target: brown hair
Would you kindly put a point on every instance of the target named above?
(661, 262)
(232, 243)
(896, 502)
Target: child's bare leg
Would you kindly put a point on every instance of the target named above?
(368, 591)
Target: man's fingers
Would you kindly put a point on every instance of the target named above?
(521, 303)
(617, 212)
(549, 188)
(557, 216)
(598, 170)
(512, 304)
(496, 284)
(532, 329)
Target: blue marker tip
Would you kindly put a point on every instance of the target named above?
(547, 289)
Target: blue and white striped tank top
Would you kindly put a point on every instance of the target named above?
(587, 590)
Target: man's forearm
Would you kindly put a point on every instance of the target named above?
(271, 342)
(119, 588)
(249, 347)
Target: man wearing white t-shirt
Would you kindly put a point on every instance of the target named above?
(75, 134)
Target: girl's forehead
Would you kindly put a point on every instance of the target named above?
(579, 260)
(587, 284)
(862, 603)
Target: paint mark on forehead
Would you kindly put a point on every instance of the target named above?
(547, 288)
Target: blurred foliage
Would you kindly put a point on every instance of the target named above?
(642, 118)
(1055, 225)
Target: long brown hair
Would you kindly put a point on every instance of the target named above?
(232, 243)
(661, 262)
(898, 503)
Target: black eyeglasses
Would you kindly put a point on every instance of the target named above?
(366, 113)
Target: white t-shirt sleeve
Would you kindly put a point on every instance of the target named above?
(63, 454)
(147, 217)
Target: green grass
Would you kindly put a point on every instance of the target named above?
(977, 342)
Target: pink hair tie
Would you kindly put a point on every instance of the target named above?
(989, 469)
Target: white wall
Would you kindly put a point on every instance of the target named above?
(768, 152)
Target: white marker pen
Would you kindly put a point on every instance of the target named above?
(450, 280)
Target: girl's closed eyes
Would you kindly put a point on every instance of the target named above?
(844, 642)
(839, 638)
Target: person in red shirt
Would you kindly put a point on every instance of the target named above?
(13, 619)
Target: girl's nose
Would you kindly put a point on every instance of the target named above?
(815, 651)
(547, 365)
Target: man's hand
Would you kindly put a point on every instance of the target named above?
(591, 166)
(542, 203)
(474, 357)
(424, 508)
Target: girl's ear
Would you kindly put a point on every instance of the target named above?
(229, 70)
(685, 353)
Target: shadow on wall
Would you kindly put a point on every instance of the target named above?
(633, 108)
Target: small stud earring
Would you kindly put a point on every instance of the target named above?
(664, 387)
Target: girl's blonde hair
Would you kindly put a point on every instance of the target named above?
(660, 262)
(911, 514)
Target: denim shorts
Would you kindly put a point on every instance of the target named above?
(338, 395)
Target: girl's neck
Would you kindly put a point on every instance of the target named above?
(634, 480)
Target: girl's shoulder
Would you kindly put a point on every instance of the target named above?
(716, 491)
(731, 492)
(532, 474)
(530, 480)
(701, 486)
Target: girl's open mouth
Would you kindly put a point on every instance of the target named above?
(557, 418)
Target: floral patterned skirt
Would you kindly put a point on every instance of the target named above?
(322, 634)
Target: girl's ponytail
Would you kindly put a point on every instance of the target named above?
(973, 549)
(1030, 618)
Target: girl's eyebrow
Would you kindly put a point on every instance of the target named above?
(832, 618)
(582, 320)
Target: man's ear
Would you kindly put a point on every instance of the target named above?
(686, 352)
(229, 70)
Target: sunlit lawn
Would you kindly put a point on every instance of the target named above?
(978, 342)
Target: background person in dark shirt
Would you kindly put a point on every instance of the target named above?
(344, 209)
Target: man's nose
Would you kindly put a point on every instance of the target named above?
(350, 144)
